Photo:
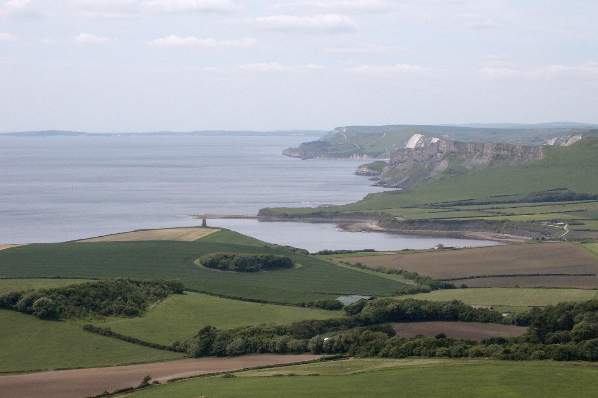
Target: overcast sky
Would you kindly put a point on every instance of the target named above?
(140, 65)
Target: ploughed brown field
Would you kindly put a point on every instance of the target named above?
(178, 234)
(91, 382)
(4, 247)
(508, 260)
(459, 330)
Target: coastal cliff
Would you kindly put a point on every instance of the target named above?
(425, 157)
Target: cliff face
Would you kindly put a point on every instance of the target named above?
(428, 157)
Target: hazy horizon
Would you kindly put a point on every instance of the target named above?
(187, 65)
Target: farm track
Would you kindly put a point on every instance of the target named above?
(80, 383)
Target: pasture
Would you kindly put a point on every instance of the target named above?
(313, 279)
(538, 260)
(518, 298)
(182, 316)
(27, 343)
(431, 378)
(458, 330)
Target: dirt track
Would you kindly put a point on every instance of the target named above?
(178, 234)
(459, 330)
(81, 383)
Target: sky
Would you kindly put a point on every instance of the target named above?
(182, 65)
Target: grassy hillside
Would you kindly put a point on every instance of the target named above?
(396, 379)
(312, 279)
(571, 168)
(180, 317)
(27, 343)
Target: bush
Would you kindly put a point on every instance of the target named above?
(120, 297)
(246, 262)
(45, 308)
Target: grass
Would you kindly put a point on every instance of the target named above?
(181, 316)
(573, 167)
(15, 285)
(315, 279)
(509, 297)
(27, 343)
(396, 379)
(592, 247)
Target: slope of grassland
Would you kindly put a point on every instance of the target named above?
(515, 298)
(396, 379)
(17, 285)
(181, 316)
(312, 279)
(27, 343)
(574, 168)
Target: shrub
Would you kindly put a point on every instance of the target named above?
(121, 297)
(45, 308)
(246, 262)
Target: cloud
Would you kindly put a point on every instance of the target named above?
(586, 71)
(484, 24)
(198, 42)
(365, 49)
(179, 6)
(352, 6)
(4, 37)
(321, 23)
(387, 70)
(16, 8)
(89, 39)
(269, 67)
(124, 8)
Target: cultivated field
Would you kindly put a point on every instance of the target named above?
(27, 343)
(314, 279)
(182, 316)
(380, 378)
(520, 298)
(523, 259)
(458, 330)
(93, 382)
(554, 281)
(4, 247)
(16, 285)
(178, 234)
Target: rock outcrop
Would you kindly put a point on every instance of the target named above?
(425, 157)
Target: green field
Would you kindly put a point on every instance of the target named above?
(181, 316)
(15, 285)
(395, 379)
(313, 279)
(27, 343)
(573, 168)
(521, 298)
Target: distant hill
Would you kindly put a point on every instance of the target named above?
(378, 142)
(67, 133)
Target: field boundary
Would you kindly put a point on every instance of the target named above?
(122, 392)
(511, 275)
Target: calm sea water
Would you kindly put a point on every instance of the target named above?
(62, 188)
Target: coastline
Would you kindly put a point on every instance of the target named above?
(350, 224)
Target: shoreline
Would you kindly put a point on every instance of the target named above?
(349, 224)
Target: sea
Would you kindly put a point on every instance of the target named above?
(56, 188)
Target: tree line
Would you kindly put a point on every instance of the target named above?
(120, 297)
